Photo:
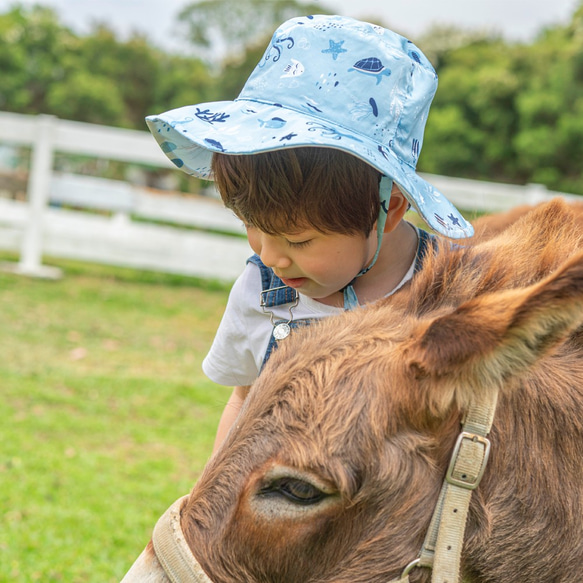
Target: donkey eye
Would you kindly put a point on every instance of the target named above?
(297, 491)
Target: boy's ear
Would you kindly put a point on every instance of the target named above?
(398, 206)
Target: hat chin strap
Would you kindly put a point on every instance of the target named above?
(385, 188)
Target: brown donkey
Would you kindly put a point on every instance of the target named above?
(335, 465)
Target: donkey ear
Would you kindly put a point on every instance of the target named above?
(496, 336)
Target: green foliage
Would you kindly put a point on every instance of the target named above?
(46, 68)
(107, 417)
(549, 142)
(510, 112)
(85, 97)
(447, 125)
(183, 81)
(474, 105)
(33, 50)
(504, 111)
(129, 67)
(222, 29)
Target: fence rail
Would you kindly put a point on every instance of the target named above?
(35, 227)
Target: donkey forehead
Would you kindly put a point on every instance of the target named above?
(328, 389)
(339, 348)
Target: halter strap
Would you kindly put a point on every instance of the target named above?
(442, 548)
(171, 549)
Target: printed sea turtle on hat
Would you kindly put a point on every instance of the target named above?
(371, 66)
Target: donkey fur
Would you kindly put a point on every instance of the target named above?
(367, 407)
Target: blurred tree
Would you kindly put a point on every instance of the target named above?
(473, 118)
(222, 29)
(33, 46)
(510, 112)
(85, 97)
(181, 81)
(503, 112)
(130, 67)
(46, 68)
(440, 40)
(549, 142)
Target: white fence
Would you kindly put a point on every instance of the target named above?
(35, 228)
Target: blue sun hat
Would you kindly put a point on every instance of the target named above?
(326, 81)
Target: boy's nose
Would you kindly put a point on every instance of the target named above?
(272, 256)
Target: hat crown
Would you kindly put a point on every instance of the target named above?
(348, 74)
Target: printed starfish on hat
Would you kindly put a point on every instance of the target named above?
(335, 49)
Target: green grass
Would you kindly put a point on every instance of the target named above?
(106, 416)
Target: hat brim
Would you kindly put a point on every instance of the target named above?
(190, 135)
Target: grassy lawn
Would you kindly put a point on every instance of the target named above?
(106, 417)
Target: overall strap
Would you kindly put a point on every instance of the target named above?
(427, 242)
(274, 291)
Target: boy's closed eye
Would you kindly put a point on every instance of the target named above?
(299, 244)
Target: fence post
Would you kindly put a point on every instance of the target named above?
(38, 193)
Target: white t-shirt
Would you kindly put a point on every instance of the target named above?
(237, 352)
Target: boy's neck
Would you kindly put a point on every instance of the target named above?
(398, 250)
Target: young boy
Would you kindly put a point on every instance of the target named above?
(317, 157)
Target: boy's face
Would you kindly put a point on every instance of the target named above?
(316, 264)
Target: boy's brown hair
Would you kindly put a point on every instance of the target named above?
(297, 188)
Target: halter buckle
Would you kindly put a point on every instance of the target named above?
(468, 462)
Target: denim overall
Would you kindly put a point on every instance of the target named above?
(276, 293)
